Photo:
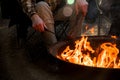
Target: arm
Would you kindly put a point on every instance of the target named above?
(29, 8)
(81, 5)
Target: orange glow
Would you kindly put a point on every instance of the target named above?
(114, 37)
(92, 30)
(86, 27)
(107, 56)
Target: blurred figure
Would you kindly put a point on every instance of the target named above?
(115, 15)
(44, 13)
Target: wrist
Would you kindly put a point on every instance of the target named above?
(34, 13)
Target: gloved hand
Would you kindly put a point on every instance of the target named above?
(37, 23)
(81, 6)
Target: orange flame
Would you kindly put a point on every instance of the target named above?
(114, 37)
(82, 54)
(92, 30)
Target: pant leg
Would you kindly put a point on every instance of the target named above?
(45, 13)
(61, 17)
(76, 23)
(68, 13)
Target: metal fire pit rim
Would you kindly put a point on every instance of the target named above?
(66, 41)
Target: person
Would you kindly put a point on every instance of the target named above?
(115, 16)
(44, 13)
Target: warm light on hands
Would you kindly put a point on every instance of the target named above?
(37, 23)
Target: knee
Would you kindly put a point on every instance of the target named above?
(42, 5)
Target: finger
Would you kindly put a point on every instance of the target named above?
(41, 29)
(38, 28)
(35, 27)
(84, 10)
(76, 8)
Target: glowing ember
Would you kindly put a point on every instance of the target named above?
(92, 30)
(86, 27)
(106, 57)
(114, 37)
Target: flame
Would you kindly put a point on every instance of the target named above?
(114, 37)
(86, 27)
(92, 30)
(83, 54)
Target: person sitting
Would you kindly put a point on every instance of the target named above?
(44, 13)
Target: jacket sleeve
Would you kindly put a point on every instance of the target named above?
(28, 6)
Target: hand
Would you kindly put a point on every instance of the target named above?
(81, 5)
(37, 23)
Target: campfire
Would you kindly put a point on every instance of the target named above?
(104, 56)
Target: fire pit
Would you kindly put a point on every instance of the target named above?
(98, 53)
